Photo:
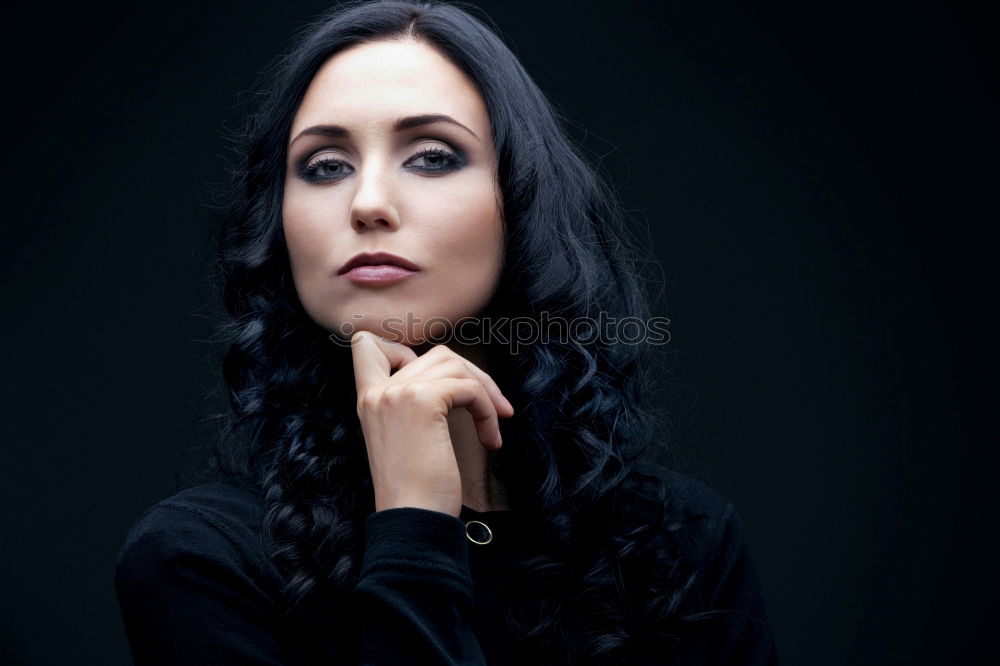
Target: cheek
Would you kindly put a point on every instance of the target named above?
(307, 229)
(468, 231)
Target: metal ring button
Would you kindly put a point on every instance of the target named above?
(478, 532)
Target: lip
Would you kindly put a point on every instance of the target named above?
(381, 274)
(382, 259)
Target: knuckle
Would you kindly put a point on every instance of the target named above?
(395, 392)
(368, 400)
(441, 350)
(413, 391)
(456, 366)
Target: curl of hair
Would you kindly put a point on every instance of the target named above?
(571, 469)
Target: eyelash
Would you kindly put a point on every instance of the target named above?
(308, 170)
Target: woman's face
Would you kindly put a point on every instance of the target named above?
(365, 174)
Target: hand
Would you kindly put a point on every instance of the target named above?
(404, 419)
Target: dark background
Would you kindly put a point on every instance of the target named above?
(818, 179)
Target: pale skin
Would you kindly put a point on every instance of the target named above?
(429, 412)
(413, 458)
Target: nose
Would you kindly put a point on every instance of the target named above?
(372, 206)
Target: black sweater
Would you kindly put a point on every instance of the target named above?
(195, 587)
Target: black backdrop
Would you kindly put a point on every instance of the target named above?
(817, 179)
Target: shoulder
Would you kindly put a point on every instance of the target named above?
(226, 508)
(688, 499)
(710, 530)
(726, 594)
(193, 585)
(217, 522)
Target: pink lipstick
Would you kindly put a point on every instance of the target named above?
(377, 268)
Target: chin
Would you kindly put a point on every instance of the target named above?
(411, 327)
(395, 330)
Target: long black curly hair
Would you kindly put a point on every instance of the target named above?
(583, 422)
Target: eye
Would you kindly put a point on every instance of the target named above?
(323, 168)
(327, 168)
(438, 160)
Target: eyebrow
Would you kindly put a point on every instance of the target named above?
(399, 125)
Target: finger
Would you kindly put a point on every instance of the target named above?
(430, 365)
(374, 358)
(503, 406)
(471, 394)
(422, 363)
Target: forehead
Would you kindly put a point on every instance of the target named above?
(372, 84)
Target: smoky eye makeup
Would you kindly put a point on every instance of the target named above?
(325, 165)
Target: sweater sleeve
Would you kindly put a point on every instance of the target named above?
(189, 593)
(415, 593)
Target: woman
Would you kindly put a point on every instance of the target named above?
(405, 477)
